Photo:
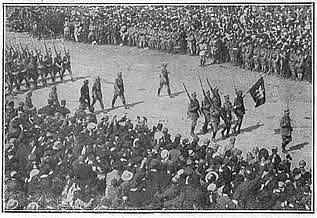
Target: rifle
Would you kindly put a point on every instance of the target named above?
(45, 47)
(211, 89)
(190, 98)
(64, 47)
(33, 44)
(21, 47)
(54, 48)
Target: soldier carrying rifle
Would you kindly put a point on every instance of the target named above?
(193, 110)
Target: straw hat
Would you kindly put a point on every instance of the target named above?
(12, 204)
(126, 175)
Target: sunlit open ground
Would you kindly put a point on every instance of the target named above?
(141, 67)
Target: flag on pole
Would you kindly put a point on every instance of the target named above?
(257, 92)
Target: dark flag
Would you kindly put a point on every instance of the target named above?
(257, 92)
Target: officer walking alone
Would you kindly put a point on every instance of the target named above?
(239, 110)
(164, 81)
(286, 129)
(119, 91)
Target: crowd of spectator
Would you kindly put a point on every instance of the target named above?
(61, 160)
(274, 39)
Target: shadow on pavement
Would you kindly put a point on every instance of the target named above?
(48, 85)
(114, 108)
(298, 146)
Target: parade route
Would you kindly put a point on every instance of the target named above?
(140, 69)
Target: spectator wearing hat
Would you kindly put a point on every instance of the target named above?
(62, 109)
(275, 158)
(49, 109)
(53, 96)
(28, 101)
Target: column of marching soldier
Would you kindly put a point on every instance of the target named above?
(23, 64)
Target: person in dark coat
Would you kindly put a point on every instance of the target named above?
(84, 94)
(286, 129)
(193, 109)
(239, 110)
(62, 109)
(118, 90)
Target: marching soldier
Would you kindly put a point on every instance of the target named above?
(216, 99)
(41, 68)
(84, 94)
(58, 65)
(214, 119)
(96, 93)
(66, 65)
(239, 110)
(227, 116)
(193, 109)
(205, 107)
(164, 80)
(118, 91)
(286, 129)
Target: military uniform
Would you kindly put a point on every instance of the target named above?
(84, 94)
(286, 129)
(192, 113)
(164, 80)
(205, 107)
(97, 94)
(227, 116)
(58, 66)
(66, 66)
(214, 119)
(239, 111)
(118, 90)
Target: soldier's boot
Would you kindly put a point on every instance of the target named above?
(125, 105)
(158, 91)
(228, 131)
(112, 103)
(102, 106)
(169, 92)
(192, 133)
(223, 134)
(234, 131)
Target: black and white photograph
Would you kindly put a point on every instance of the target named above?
(158, 107)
